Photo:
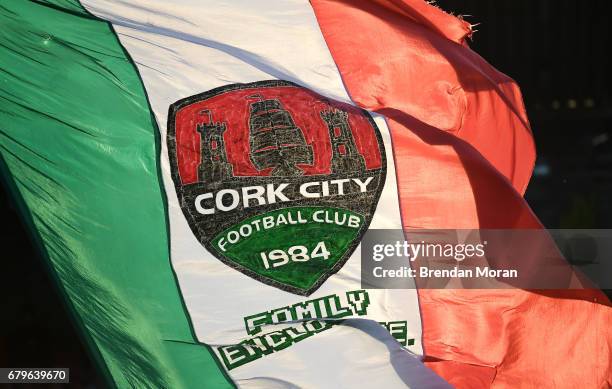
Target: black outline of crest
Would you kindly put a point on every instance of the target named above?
(172, 155)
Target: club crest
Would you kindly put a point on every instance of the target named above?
(275, 180)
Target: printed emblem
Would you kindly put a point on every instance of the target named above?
(275, 180)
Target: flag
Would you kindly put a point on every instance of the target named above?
(199, 175)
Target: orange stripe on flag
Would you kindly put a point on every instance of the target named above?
(388, 61)
(464, 155)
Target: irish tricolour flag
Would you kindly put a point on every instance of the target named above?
(199, 175)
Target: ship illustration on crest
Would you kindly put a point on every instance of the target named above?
(276, 142)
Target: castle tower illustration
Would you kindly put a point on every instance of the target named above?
(275, 140)
(345, 156)
(213, 163)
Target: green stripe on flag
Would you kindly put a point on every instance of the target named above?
(80, 150)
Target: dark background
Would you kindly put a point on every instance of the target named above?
(557, 50)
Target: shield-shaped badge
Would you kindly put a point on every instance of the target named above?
(275, 180)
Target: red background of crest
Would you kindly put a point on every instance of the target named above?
(232, 107)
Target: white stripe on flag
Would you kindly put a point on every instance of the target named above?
(187, 47)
